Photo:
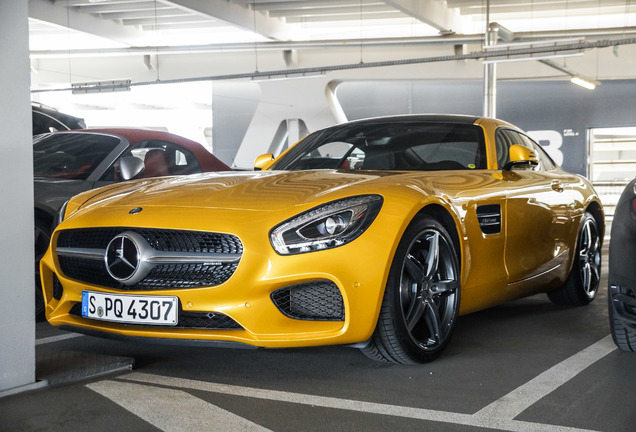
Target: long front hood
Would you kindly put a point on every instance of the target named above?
(267, 190)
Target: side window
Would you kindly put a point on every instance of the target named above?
(502, 144)
(504, 138)
(160, 159)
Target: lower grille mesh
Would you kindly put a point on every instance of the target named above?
(317, 301)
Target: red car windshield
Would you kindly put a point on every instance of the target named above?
(70, 156)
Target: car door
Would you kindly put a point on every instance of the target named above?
(538, 214)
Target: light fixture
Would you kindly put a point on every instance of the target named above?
(101, 86)
(575, 77)
(585, 83)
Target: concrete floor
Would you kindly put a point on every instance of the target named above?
(525, 366)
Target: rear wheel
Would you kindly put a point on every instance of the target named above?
(582, 284)
(421, 299)
(42, 240)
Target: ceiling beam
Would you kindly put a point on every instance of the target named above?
(240, 16)
(56, 12)
(432, 12)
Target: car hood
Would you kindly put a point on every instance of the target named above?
(264, 190)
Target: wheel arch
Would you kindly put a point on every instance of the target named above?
(446, 219)
(595, 209)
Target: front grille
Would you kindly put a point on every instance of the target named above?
(159, 239)
(162, 276)
(317, 301)
(167, 276)
(187, 320)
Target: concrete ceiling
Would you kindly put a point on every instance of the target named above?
(68, 37)
(136, 23)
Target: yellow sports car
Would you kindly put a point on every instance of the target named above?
(376, 233)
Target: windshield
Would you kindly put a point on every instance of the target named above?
(70, 155)
(390, 146)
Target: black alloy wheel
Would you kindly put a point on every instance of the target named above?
(582, 284)
(421, 300)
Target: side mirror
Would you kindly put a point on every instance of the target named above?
(263, 161)
(520, 155)
(130, 167)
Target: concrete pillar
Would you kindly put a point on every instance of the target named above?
(288, 110)
(17, 317)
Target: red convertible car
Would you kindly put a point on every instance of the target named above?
(69, 162)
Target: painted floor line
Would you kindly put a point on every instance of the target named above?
(165, 408)
(57, 338)
(482, 421)
(517, 401)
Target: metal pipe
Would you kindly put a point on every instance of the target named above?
(490, 75)
(377, 42)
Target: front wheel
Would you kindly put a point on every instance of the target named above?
(421, 299)
(582, 284)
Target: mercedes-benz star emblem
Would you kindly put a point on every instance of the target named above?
(127, 258)
(122, 257)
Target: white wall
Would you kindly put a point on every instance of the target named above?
(17, 322)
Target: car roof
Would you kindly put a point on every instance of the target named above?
(428, 118)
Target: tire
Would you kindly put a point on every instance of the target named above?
(624, 338)
(582, 284)
(42, 239)
(421, 300)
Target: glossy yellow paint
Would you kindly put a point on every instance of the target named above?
(494, 267)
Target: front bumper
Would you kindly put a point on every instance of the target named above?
(319, 298)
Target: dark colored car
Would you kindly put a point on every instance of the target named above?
(622, 278)
(47, 119)
(70, 162)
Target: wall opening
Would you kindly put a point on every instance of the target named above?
(612, 162)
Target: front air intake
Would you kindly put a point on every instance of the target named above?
(314, 301)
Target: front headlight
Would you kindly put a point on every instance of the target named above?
(326, 226)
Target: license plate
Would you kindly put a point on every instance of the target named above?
(130, 309)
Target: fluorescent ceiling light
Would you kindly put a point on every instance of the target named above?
(585, 83)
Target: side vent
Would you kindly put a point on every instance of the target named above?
(489, 217)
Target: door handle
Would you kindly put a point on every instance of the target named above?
(557, 186)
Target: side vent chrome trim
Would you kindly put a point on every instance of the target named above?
(489, 218)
